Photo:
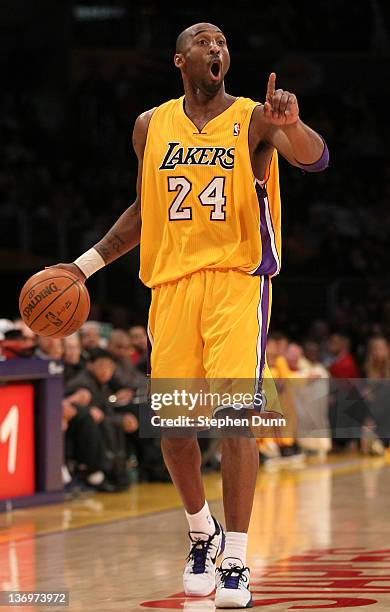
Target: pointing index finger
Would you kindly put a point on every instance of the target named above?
(271, 86)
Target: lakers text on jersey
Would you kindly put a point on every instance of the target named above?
(202, 207)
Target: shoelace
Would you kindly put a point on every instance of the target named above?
(198, 554)
(232, 582)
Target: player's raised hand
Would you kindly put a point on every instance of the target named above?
(281, 107)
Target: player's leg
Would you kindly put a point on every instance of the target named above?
(183, 460)
(177, 350)
(240, 467)
(237, 323)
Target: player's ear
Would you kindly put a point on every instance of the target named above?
(178, 60)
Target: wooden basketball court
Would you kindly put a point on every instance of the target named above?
(319, 540)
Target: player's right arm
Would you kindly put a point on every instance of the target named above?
(125, 234)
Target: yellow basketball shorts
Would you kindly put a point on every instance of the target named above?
(211, 325)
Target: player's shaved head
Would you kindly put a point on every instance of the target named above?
(189, 33)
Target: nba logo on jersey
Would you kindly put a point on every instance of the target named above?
(236, 129)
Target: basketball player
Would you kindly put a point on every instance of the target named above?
(208, 197)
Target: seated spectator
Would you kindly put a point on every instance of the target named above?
(294, 358)
(49, 348)
(5, 326)
(84, 444)
(377, 364)
(90, 338)
(73, 363)
(151, 466)
(276, 452)
(312, 354)
(280, 342)
(15, 345)
(24, 329)
(275, 359)
(314, 406)
(105, 392)
(125, 373)
(139, 346)
(308, 391)
(98, 378)
(375, 433)
(342, 365)
(319, 333)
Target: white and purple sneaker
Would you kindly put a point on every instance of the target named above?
(199, 572)
(232, 585)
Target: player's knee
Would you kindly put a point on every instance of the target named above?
(177, 446)
(235, 444)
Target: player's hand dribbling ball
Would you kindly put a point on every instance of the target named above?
(54, 302)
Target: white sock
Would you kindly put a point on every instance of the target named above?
(235, 546)
(202, 521)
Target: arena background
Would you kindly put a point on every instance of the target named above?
(109, 526)
(76, 74)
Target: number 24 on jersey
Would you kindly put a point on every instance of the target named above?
(212, 195)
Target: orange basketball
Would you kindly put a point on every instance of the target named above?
(54, 303)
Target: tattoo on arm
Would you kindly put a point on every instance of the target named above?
(115, 241)
(104, 252)
(110, 245)
(123, 236)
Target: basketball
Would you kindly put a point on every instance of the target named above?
(54, 303)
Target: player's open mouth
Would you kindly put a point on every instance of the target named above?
(215, 69)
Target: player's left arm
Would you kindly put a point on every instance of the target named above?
(277, 124)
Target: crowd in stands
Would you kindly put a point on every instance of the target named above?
(106, 390)
(105, 387)
(67, 172)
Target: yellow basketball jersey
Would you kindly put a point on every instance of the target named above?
(201, 206)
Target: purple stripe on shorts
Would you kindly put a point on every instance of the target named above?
(264, 322)
(268, 264)
(264, 333)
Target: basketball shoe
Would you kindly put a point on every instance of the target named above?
(232, 585)
(199, 572)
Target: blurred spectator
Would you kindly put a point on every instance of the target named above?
(105, 393)
(84, 445)
(98, 379)
(49, 348)
(313, 365)
(14, 345)
(319, 333)
(280, 342)
(277, 452)
(342, 364)
(310, 389)
(73, 363)
(139, 346)
(313, 404)
(377, 364)
(90, 338)
(294, 355)
(125, 373)
(5, 326)
(376, 429)
(24, 329)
